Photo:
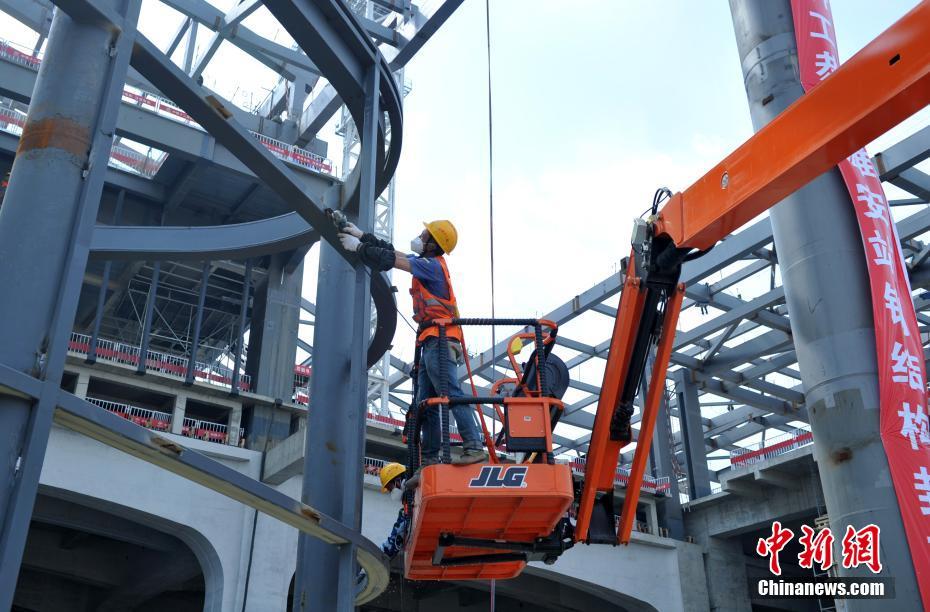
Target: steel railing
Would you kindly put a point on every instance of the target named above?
(656, 485)
(150, 419)
(389, 422)
(164, 363)
(161, 421)
(373, 466)
(773, 447)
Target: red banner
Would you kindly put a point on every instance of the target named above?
(905, 429)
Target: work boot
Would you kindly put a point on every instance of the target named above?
(471, 455)
(414, 481)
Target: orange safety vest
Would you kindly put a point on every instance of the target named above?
(429, 307)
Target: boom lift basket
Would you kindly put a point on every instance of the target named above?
(486, 521)
(469, 522)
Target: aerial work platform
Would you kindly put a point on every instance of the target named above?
(488, 520)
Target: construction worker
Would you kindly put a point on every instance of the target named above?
(393, 477)
(433, 298)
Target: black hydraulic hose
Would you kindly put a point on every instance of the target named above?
(466, 400)
(412, 427)
(541, 361)
(644, 339)
(444, 392)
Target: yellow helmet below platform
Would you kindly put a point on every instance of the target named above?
(389, 472)
(444, 233)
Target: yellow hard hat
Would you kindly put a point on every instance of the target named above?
(444, 233)
(389, 472)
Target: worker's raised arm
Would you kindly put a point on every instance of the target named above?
(402, 262)
(375, 253)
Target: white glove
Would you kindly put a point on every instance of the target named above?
(349, 243)
(352, 230)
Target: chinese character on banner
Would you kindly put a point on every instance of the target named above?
(916, 426)
(826, 64)
(824, 31)
(861, 548)
(882, 251)
(875, 202)
(893, 305)
(922, 483)
(817, 548)
(861, 162)
(906, 368)
(773, 545)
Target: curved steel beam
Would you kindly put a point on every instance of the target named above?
(328, 32)
(80, 415)
(236, 241)
(86, 418)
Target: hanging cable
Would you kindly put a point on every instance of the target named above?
(487, 23)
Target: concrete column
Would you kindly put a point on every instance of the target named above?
(273, 334)
(652, 518)
(267, 424)
(826, 283)
(80, 388)
(235, 421)
(692, 434)
(177, 415)
(725, 568)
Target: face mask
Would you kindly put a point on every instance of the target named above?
(416, 245)
(396, 494)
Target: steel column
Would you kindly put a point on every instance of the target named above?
(273, 334)
(663, 447)
(198, 323)
(48, 223)
(189, 50)
(692, 434)
(827, 292)
(326, 576)
(147, 319)
(104, 284)
(240, 333)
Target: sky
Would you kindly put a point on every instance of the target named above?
(596, 104)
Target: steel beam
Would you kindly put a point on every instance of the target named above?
(692, 434)
(90, 420)
(240, 329)
(104, 285)
(272, 339)
(747, 310)
(903, 155)
(147, 317)
(198, 322)
(67, 136)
